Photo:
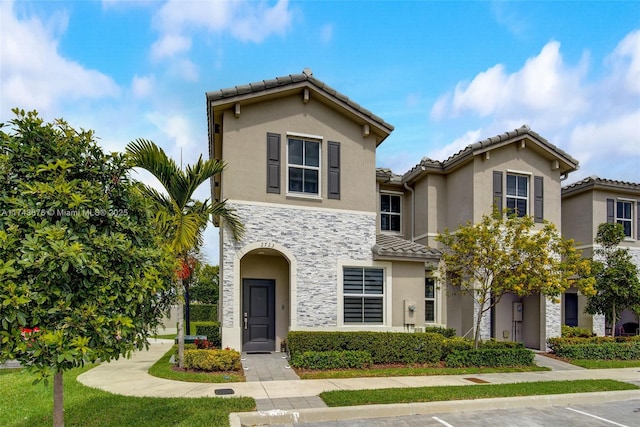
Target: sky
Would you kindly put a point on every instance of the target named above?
(445, 74)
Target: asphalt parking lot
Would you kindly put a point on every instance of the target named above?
(621, 414)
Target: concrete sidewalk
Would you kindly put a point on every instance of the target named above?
(129, 377)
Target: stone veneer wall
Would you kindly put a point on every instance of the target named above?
(317, 238)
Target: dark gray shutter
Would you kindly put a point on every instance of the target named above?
(638, 220)
(273, 163)
(333, 172)
(538, 199)
(611, 212)
(497, 190)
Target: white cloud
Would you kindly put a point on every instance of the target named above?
(175, 126)
(442, 153)
(142, 87)
(245, 20)
(326, 33)
(34, 74)
(543, 86)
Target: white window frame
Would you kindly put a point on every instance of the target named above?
(398, 214)
(526, 198)
(620, 220)
(310, 138)
(387, 292)
(433, 299)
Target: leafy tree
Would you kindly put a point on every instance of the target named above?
(502, 255)
(183, 219)
(204, 286)
(617, 284)
(83, 274)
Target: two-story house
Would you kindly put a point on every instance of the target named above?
(301, 177)
(332, 243)
(585, 205)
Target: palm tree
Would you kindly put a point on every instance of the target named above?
(182, 220)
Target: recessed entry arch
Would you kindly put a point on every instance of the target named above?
(264, 295)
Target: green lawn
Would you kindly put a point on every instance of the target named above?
(606, 364)
(162, 369)
(443, 393)
(27, 405)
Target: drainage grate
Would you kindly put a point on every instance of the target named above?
(477, 380)
(221, 391)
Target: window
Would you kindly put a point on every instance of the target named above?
(363, 292)
(304, 166)
(517, 194)
(623, 216)
(390, 212)
(429, 299)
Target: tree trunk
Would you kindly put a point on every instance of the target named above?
(613, 320)
(476, 337)
(58, 400)
(180, 325)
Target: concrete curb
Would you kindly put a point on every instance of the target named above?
(302, 416)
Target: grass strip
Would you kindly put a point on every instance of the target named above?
(163, 369)
(24, 405)
(606, 364)
(408, 371)
(464, 392)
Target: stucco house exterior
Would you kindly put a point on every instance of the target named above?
(585, 205)
(332, 243)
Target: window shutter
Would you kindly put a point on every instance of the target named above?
(611, 205)
(638, 220)
(538, 198)
(333, 173)
(273, 163)
(497, 190)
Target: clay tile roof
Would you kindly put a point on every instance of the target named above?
(388, 245)
(594, 181)
(292, 79)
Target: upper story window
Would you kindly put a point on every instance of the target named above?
(303, 167)
(623, 215)
(518, 194)
(363, 293)
(390, 212)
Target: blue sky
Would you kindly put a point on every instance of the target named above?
(445, 74)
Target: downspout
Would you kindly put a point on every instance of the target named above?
(413, 210)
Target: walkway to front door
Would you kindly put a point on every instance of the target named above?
(272, 366)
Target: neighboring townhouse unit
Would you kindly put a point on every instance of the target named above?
(332, 243)
(585, 205)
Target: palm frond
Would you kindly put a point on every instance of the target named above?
(220, 209)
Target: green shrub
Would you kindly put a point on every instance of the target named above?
(446, 332)
(608, 350)
(186, 347)
(384, 347)
(211, 330)
(451, 345)
(203, 312)
(493, 343)
(212, 360)
(333, 360)
(574, 331)
(490, 357)
(556, 344)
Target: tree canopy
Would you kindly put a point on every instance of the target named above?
(204, 284)
(617, 283)
(507, 254)
(84, 276)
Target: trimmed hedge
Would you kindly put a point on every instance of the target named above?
(446, 332)
(212, 360)
(629, 350)
(211, 330)
(490, 357)
(574, 331)
(384, 347)
(203, 312)
(556, 344)
(332, 360)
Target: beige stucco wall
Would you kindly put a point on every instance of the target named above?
(244, 151)
(600, 213)
(408, 284)
(273, 268)
(578, 218)
(460, 198)
(524, 160)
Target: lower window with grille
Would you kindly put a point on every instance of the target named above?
(363, 292)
